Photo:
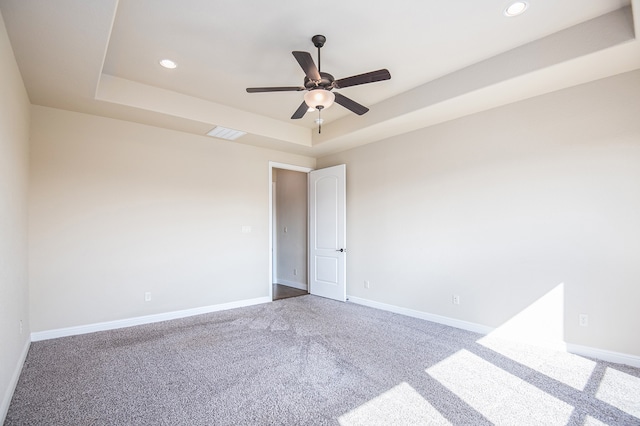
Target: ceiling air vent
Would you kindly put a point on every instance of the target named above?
(224, 133)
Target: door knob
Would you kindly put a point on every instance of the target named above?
(342, 250)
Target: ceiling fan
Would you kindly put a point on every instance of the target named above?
(319, 85)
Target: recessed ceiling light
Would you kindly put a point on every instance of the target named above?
(168, 63)
(224, 133)
(516, 8)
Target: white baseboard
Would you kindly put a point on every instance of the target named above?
(299, 286)
(605, 355)
(601, 354)
(147, 319)
(6, 399)
(465, 325)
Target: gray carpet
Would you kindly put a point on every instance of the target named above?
(313, 361)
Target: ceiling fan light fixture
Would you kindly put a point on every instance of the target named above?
(319, 98)
(319, 85)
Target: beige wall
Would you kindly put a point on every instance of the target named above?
(118, 209)
(503, 206)
(14, 140)
(291, 213)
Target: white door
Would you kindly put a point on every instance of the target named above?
(327, 233)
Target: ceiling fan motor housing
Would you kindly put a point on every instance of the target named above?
(325, 82)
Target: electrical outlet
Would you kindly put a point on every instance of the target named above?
(20, 326)
(583, 320)
(147, 296)
(295, 271)
(455, 299)
(367, 284)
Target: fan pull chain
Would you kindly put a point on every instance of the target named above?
(319, 120)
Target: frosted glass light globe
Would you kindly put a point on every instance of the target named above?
(319, 98)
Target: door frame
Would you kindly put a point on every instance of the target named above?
(276, 165)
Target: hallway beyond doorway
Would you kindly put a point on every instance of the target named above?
(283, 292)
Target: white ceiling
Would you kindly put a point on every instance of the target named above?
(446, 59)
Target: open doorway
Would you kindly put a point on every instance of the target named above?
(289, 236)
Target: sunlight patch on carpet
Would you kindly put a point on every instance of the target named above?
(499, 396)
(572, 370)
(590, 421)
(400, 405)
(620, 390)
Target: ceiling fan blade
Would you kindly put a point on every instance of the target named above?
(350, 104)
(274, 89)
(308, 66)
(369, 77)
(302, 109)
